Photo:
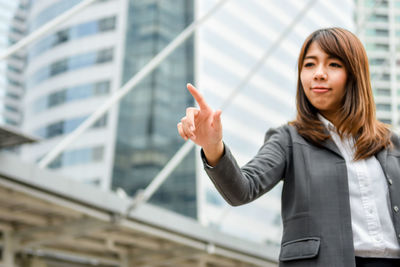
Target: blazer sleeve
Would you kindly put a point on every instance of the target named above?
(242, 185)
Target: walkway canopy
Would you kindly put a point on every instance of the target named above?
(48, 220)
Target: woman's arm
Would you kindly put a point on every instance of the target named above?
(242, 185)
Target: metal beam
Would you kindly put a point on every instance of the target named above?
(56, 200)
(13, 199)
(173, 260)
(58, 233)
(15, 215)
(162, 255)
(73, 256)
(128, 239)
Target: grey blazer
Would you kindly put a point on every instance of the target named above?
(315, 197)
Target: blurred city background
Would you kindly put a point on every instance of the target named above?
(92, 169)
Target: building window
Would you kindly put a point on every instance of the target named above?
(11, 122)
(106, 24)
(379, 18)
(14, 83)
(11, 108)
(67, 126)
(383, 107)
(377, 61)
(12, 96)
(58, 67)
(14, 69)
(51, 12)
(105, 56)
(78, 157)
(72, 94)
(377, 47)
(380, 77)
(382, 92)
(377, 32)
(54, 129)
(71, 64)
(73, 33)
(61, 37)
(387, 121)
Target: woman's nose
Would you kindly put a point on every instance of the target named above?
(320, 73)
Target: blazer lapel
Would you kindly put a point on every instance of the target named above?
(381, 157)
(330, 144)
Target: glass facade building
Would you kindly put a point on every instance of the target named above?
(10, 80)
(68, 74)
(72, 70)
(146, 133)
(378, 26)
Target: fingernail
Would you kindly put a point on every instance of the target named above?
(192, 128)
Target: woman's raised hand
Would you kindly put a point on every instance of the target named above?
(203, 126)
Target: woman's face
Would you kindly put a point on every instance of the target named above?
(324, 81)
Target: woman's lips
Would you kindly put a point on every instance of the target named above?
(320, 89)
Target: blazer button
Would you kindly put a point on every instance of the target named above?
(390, 181)
(396, 209)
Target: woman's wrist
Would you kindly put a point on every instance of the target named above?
(214, 153)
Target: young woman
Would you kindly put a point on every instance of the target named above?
(340, 166)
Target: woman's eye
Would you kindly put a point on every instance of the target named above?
(336, 65)
(309, 64)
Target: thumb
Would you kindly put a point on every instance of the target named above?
(217, 119)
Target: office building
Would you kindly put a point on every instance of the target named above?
(7, 31)
(71, 71)
(378, 28)
(145, 134)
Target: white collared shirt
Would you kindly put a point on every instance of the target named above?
(371, 221)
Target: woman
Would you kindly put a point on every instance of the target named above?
(340, 166)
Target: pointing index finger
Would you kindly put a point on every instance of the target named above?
(197, 96)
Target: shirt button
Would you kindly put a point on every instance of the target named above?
(396, 209)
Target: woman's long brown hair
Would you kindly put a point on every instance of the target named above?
(356, 117)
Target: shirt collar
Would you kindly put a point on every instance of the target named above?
(328, 125)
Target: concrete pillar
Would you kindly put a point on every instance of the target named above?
(9, 251)
(125, 259)
(202, 262)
